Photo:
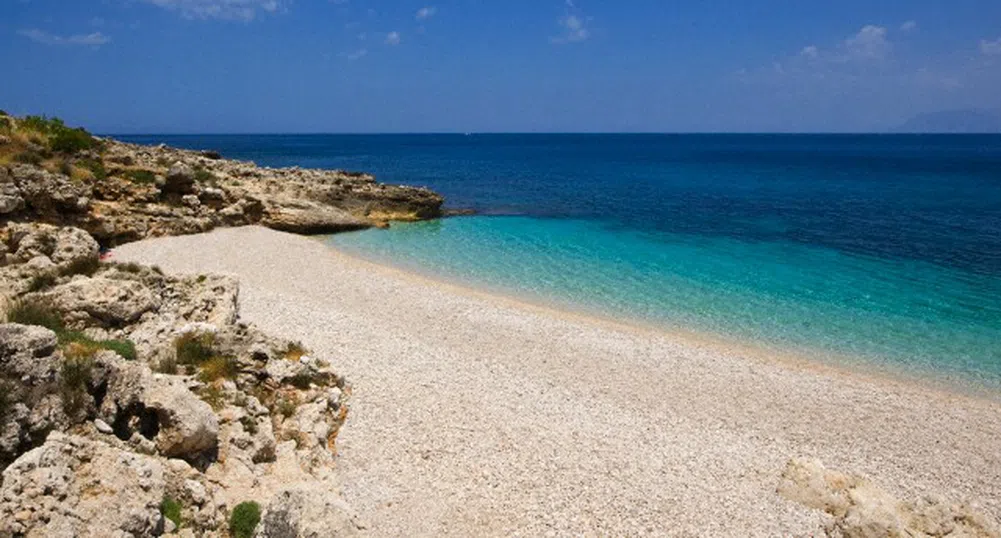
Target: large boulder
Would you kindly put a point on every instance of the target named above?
(180, 179)
(11, 200)
(75, 487)
(49, 194)
(109, 302)
(304, 217)
(160, 408)
(860, 509)
(307, 512)
(61, 245)
(24, 349)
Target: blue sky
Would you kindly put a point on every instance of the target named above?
(126, 66)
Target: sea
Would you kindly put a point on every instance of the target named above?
(874, 252)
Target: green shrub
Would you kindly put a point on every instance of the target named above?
(244, 519)
(129, 267)
(194, 349)
(171, 509)
(81, 266)
(78, 362)
(29, 157)
(142, 177)
(126, 349)
(204, 176)
(218, 368)
(96, 167)
(35, 311)
(42, 124)
(3, 112)
(213, 396)
(249, 424)
(41, 282)
(167, 365)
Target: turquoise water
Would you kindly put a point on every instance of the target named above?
(873, 250)
(907, 315)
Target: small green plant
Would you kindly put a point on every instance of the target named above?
(78, 362)
(3, 113)
(167, 365)
(142, 177)
(129, 267)
(170, 508)
(201, 278)
(286, 406)
(125, 349)
(96, 167)
(193, 349)
(35, 311)
(249, 424)
(218, 368)
(213, 396)
(81, 266)
(244, 519)
(204, 176)
(29, 157)
(41, 282)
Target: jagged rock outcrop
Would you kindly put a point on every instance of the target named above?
(76, 487)
(156, 373)
(860, 509)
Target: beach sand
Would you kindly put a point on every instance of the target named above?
(477, 415)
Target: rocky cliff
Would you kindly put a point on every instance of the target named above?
(134, 403)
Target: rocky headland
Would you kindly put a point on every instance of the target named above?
(134, 403)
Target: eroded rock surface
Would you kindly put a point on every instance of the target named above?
(860, 509)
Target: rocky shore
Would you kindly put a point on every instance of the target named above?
(135, 403)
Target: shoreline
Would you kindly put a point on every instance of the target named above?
(474, 414)
(827, 363)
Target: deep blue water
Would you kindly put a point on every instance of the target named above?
(882, 248)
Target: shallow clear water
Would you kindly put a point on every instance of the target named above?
(886, 249)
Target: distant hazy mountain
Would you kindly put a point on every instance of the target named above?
(953, 121)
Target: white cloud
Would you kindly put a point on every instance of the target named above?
(991, 48)
(355, 54)
(240, 10)
(574, 30)
(810, 52)
(95, 39)
(393, 38)
(870, 42)
(909, 26)
(425, 13)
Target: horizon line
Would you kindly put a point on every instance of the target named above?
(551, 133)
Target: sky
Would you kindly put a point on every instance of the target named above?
(359, 66)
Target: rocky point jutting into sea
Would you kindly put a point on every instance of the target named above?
(134, 403)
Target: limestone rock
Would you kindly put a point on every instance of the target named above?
(860, 509)
(10, 196)
(159, 408)
(180, 179)
(305, 217)
(50, 194)
(307, 512)
(109, 302)
(72, 486)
